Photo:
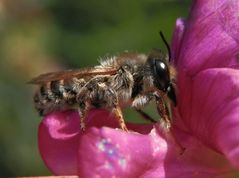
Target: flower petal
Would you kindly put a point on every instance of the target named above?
(211, 37)
(177, 38)
(59, 135)
(108, 153)
(213, 112)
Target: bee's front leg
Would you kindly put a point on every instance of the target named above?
(163, 111)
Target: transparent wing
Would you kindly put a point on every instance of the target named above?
(68, 74)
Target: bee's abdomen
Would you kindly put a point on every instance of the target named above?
(54, 95)
(55, 88)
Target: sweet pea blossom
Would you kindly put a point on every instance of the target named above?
(205, 122)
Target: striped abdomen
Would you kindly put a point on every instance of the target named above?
(57, 95)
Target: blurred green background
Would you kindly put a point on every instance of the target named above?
(48, 35)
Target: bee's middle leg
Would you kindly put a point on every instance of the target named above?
(145, 116)
(139, 102)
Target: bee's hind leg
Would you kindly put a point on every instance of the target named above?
(84, 106)
(83, 110)
(112, 103)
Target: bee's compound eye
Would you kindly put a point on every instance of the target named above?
(160, 73)
(161, 67)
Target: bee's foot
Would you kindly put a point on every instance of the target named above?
(124, 128)
(82, 127)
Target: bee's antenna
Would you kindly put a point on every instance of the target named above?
(167, 45)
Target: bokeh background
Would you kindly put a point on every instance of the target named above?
(38, 36)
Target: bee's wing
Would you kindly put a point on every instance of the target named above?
(68, 74)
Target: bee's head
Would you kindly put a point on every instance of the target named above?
(160, 73)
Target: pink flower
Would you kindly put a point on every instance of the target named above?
(206, 121)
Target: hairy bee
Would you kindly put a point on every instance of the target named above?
(132, 78)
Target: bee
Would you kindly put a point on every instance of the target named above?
(131, 79)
